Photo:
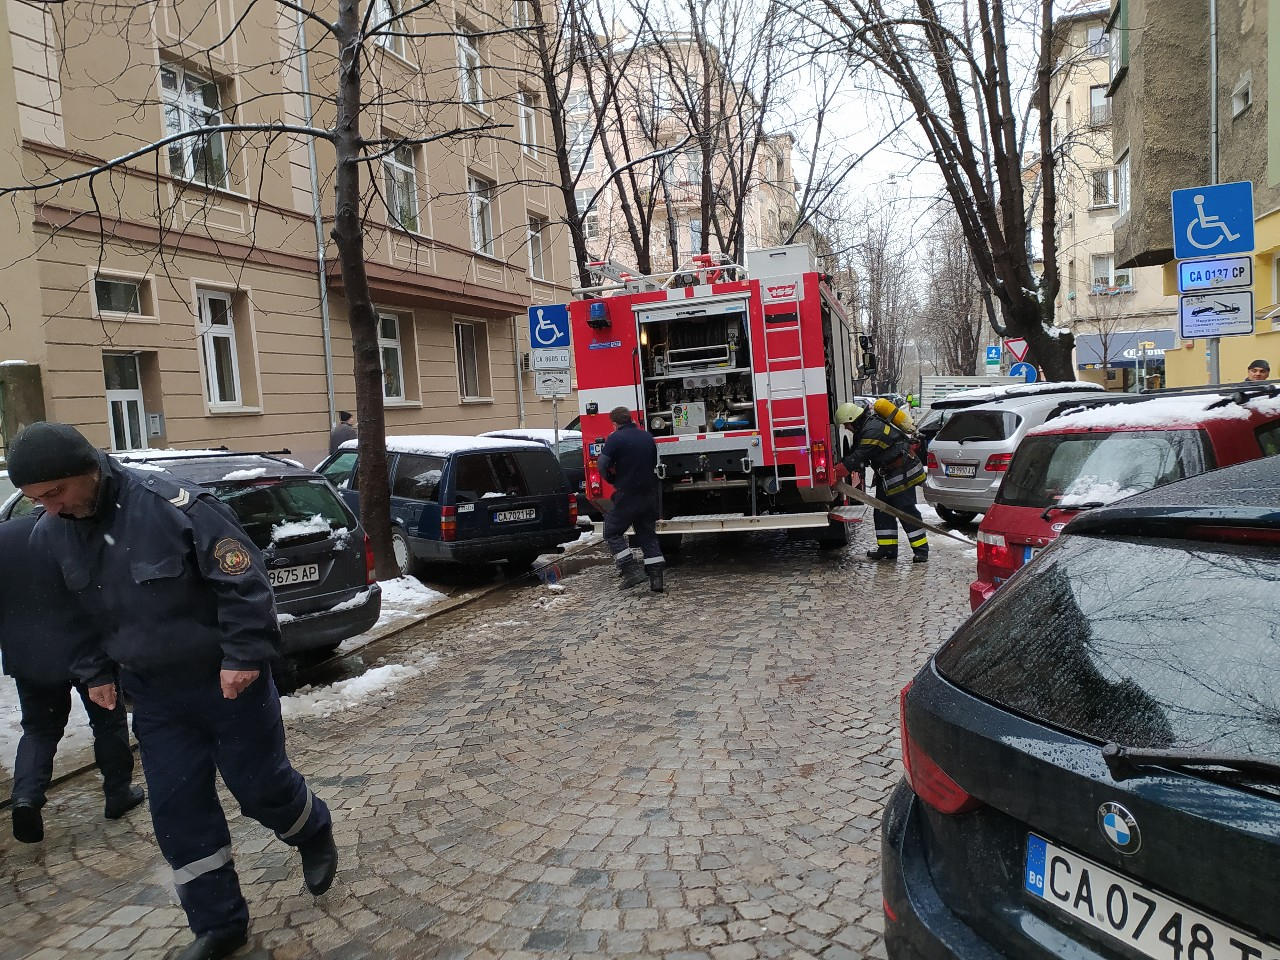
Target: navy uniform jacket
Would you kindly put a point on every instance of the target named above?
(41, 623)
(168, 572)
(628, 459)
(887, 449)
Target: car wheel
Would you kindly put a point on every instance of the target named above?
(834, 537)
(957, 517)
(406, 562)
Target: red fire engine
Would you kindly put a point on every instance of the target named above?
(737, 374)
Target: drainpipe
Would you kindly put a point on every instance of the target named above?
(1214, 342)
(317, 218)
(515, 352)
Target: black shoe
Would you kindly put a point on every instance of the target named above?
(212, 946)
(655, 579)
(920, 556)
(28, 824)
(632, 574)
(118, 804)
(319, 861)
(880, 553)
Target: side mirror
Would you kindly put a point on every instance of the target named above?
(869, 364)
(864, 342)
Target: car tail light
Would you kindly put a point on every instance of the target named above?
(929, 781)
(821, 465)
(594, 486)
(573, 509)
(995, 551)
(448, 524)
(932, 462)
(1202, 531)
(370, 565)
(998, 462)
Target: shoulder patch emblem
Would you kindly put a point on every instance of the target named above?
(231, 555)
(182, 499)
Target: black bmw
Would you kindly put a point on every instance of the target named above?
(1093, 759)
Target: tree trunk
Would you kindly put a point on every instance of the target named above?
(348, 234)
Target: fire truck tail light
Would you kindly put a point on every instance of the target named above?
(821, 465)
(448, 524)
(594, 487)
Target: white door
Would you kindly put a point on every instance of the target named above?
(126, 417)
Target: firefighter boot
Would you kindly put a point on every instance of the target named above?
(920, 555)
(632, 574)
(655, 571)
(883, 553)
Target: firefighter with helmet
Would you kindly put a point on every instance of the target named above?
(878, 443)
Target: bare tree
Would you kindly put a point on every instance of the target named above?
(882, 257)
(949, 65)
(954, 315)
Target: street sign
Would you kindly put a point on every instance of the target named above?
(549, 325)
(1018, 348)
(1226, 313)
(1214, 273)
(1027, 371)
(552, 383)
(993, 355)
(549, 358)
(1212, 220)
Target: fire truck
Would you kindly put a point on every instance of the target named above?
(737, 372)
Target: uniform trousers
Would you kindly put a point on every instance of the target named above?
(45, 708)
(887, 523)
(188, 732)
(640, 513)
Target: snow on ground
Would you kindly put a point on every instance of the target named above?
(375, 683)
(403, 600)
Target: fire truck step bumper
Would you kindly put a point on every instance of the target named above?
(738, 521)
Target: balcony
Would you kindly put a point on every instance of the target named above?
(1100, 114)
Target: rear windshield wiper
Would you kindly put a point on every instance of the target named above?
(1125, 762)
(1087, 505)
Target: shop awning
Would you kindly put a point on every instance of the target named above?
(1121, 349)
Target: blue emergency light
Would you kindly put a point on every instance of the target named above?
(598, 316)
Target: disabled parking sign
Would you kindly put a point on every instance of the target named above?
(549, 325)
(1212, 221)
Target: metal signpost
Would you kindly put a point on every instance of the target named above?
(549, 337)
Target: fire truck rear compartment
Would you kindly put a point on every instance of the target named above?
(697, 372)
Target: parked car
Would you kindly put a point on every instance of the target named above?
(1100, 452)
(468, 499)
(968, 457)
(1092, 766)
(317, 555)
(568, 450)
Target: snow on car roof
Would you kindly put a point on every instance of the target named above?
(443, 445)
(1160, 412)
(541, 434)
(169, 453)
(1007, 390)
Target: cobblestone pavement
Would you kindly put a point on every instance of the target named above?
(580, 773)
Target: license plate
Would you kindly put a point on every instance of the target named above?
(510, 516)
(1150, 923)
(1029, 552)
(959, 470)
(287, 576)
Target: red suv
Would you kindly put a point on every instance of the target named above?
(1090, 453)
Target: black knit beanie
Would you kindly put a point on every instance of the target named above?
(49, 451)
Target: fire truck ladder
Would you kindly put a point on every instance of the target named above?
(630, 279)
(776, 330)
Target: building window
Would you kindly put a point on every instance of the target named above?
(1118, 41)
(1242, 95)
(192, 103)
(691, 166)
(390, 353)
(1104, 187)
(1099, 106)
(401, 185)
(120, 295)
(581, 156)
(522, 14)
(126, 413)
(527, 104)
(383, 18)
(471, 341)
(217, 332)
(695, 236)
(469, 66)
(1096, 42)
(590, 219)
(481, 199)
(1122, 183)
(537, 240)
(1106, 279)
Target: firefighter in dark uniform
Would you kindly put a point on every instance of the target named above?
(628, 461)
(882, 446)
(190, 621)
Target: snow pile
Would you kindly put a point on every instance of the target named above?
(299, 528)
(443, 445)
(1167, 413)
(377, 683)
(544, 435)
(251, 474)
(404, 600)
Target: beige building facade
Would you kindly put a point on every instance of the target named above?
(191, 296)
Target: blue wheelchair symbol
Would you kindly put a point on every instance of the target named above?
(1212, 220)
(549, 325)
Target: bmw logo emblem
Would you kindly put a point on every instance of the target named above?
(1119, 827)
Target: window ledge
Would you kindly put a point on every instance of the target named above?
(491, 258)
(405, 231)
(1104, 206)
(210, 188)
(478, 109)
(234, 411)
(475, 400)
(402, 404)
(118, 316)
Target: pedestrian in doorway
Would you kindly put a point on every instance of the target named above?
(190, 622)
(1259, 370)
(343, 431)
(879, 444)
(41, 626)
(628, 461)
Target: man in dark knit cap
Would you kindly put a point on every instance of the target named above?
(190, 621)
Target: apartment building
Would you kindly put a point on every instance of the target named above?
(1112, 310)
(191, 296)
(1166, 95)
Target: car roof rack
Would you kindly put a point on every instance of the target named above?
(204, 453)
